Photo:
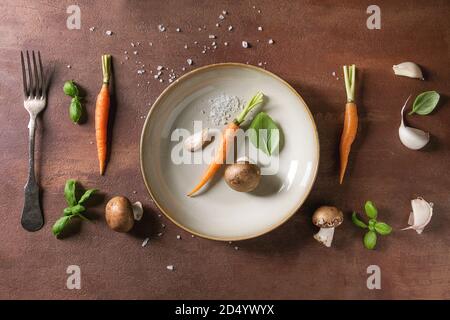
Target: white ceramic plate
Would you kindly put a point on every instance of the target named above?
(218, 212)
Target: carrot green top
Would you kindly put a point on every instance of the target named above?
(106, 67)
(349, 77)
(255, 101)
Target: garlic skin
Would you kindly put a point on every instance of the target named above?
(420, 216)
(198, 140)
(408, 69)
(412, 138)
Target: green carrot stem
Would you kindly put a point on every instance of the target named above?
(349, 78)
(106, 67)
(255, 101)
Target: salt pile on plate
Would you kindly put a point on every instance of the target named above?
(223, 108)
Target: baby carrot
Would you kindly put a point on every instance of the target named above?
(225, 142)
(102, 114)
(350, 120)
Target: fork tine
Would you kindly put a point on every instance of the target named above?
(24, 75)
(30, 78)
(36, 76)
(42, 77)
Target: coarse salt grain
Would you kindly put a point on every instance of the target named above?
(260, 28)
(161, 28)
(244, 44)
(225, 43)
(222, 108)
(224, 12)
(189, 61)
(159, 68)
(178, 30)
(91, 28)
(141, 71)
(170, 267)
(271, 41)
(108, 32)
(178, 237)
(212, 36)
(230, 28)
(221, 17)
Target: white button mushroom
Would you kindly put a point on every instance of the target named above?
(327, 218)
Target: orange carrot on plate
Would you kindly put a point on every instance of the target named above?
(226, 140)
(350, 120)
(102, 114)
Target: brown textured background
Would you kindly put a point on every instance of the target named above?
(312, 39)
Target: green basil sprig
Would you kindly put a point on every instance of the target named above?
(75, 207)
(264, 133)
(373, 226)
(425, 103)
(75, 108)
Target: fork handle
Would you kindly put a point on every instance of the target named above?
(32, 218)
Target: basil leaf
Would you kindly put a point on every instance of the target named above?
(358, 222)
(383, 228)
(425, 103)
(75, 110)
(370, 240)
(60, 224)
(371, 210)
(264, 133)
(76, 209)
(87, 195)
(69, 192)
(70, 88)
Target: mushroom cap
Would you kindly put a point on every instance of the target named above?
(327, 217)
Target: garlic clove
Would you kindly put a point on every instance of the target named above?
(138, 210)
(421, 214)
(412, 138)
(408, 69)
(198, 140)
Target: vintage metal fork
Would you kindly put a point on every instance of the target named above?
(34, 90)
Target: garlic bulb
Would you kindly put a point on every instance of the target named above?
(421, 214)
(197, 140)
(408, 69)
(412, 138)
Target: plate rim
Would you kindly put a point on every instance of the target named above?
(185, 77)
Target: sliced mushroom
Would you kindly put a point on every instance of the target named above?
(327, 218)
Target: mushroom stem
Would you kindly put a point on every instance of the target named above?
(325, 236)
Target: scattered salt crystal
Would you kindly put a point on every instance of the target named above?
(163, 225)
(185, 46)
(144, 243)
(159, 68)
(69, 66)
(199, 29)
(333, 74)
(160, 234)
(159, 73)
(213, 43)
(236, 248)
(108, 32)
(134, 192)
(133, 45)
(224, 12)
(91, 142)
(170, 80)
(192, 236)
(260, 28)
(91, 28)
(170, 267)
(161, 28)
(189, 61)
(150, 44)
(222, 107)
(178, 237)
(225, 43)
(184, 68)
(135, 52)
(161, 80)
(259, 11)
(141, 71)
(230, 242)
(211, 36)
(271, 41)
(221, 17)
(230, 28)
(217, 25)
(125, 52)
(260, 64)
(156, 76)
(195, 42)
(244, 44)
(204, 51)
(178, 30)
